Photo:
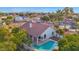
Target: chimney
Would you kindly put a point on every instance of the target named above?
(30, 25)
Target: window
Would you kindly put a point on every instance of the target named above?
(52, 33)
(39, 37)
(44, 35)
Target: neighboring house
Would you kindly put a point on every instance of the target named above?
(3, 17)
(67, 23)
(74, 29)
(20, 18)
(36, 19)
(39, 31)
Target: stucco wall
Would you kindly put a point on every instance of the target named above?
(48, 33)
(18, 18)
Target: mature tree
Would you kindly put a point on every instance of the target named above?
(69, 43)
(7, 46)
(68, 12)
(57, 16)
(18, 35)
(5, 43)
(9, 19)
(45, 18)
(60, 31)
(3, 33)
(13, 39)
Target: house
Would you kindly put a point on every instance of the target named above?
(39, 32)
(70, 25)
(3, 17)
(20, 18)
(66, 23)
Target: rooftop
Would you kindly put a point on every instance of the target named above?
(35, 29)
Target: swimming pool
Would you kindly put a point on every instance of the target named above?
(47, 46)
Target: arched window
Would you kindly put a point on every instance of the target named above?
(44, 35)
(52, 33)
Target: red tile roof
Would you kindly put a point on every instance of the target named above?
(36, 29)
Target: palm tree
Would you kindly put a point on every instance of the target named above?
(67, 11)
(59, 15)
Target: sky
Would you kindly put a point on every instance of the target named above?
(34, 9)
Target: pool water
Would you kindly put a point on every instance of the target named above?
(47, 46)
